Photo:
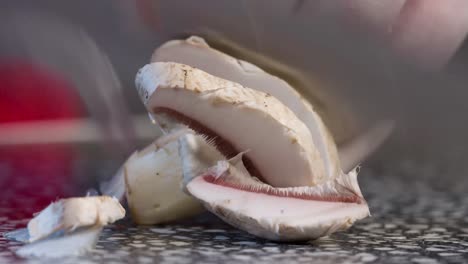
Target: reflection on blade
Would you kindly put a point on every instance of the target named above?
(73, 244)
(354, 152)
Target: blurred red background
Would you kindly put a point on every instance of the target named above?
(32, 93)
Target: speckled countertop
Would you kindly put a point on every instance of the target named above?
(411, 222)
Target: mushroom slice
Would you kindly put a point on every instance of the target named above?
(283, 214)
(195, 52)
(282, 151)
(153, 179)
(67, 215)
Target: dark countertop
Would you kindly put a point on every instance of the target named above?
(411, 222)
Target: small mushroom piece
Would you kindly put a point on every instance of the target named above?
(284, 191)
(281, 148)
(69, 214)
(153, 179)
(67, 227)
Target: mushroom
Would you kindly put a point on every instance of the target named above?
(285, 173)
(283, 214)
(67, 227)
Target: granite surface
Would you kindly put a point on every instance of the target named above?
(412, 222)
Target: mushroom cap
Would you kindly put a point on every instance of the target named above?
(279, 145)
(70, 244)
(276, 218)
(285, 214)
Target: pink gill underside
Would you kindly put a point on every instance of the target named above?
(275, 192)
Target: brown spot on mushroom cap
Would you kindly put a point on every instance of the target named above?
(218, 101)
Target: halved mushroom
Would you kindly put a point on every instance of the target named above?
(286, 214)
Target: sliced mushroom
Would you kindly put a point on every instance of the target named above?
(67, 227)
(195, 52)
(286, 214)
(284, 192)
(281, 148)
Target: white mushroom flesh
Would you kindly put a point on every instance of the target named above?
(292, 186)
(280, 145)
(153, 180)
